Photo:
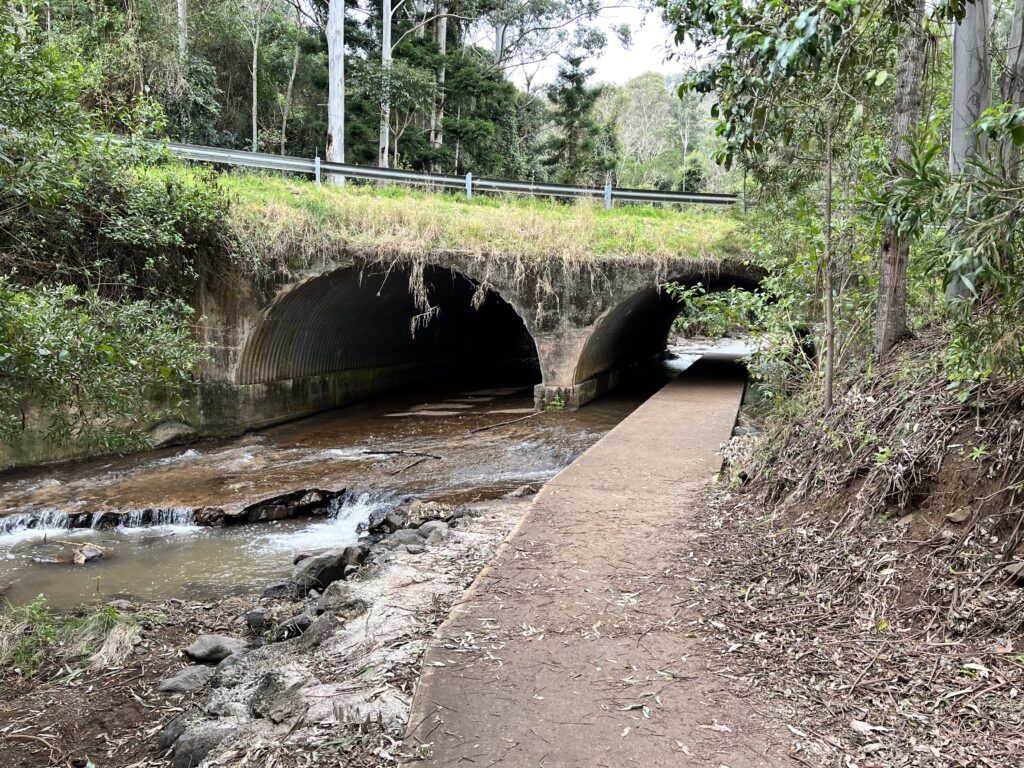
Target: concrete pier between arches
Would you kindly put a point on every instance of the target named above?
(576, 645)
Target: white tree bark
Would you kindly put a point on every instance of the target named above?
(420, 7)
(253, 16)
(336, 86)
(1012, 82)
(972, 95)
(255, 86)
(972, 81)
(384, 141)
(500, 31)
(291, 78)
(441, 40)
(182, 33)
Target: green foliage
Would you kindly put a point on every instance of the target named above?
(32, 636)
(767, 48)
(718, 313)
(975, 220)
(91, 370)
(576, 153)
(555, 404)
(100, 246)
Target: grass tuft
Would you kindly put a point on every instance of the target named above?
(33, 637)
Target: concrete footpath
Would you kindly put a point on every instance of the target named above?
(578, 645)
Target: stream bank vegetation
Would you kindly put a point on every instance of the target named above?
(864, 560)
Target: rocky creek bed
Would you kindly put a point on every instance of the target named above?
(318, 670)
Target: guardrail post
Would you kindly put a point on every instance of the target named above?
(469, 185)
(316, 168)
(607, 195)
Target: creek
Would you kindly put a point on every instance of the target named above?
(445, 445)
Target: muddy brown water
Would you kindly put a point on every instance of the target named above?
(451, 445)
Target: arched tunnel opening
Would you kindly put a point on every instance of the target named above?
(357, 332)
(629, 341)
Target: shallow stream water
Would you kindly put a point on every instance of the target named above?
(450, 445)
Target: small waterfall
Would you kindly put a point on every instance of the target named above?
(51, 518)
(358, 505)
(144, 518)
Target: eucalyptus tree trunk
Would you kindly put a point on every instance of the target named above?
(891, 317)
(384, 141)
(500, 31)
(255, 85)
(336, 86)
(291, 78)
(1012, 82)
(685, 128)
(441, 41)
(420, 7)
(182, 33)
(972, 95)
(972, 82)
(829, 280)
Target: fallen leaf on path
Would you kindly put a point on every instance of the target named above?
(717, 726)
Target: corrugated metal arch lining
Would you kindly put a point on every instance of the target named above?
(347, 320)
(638, 328)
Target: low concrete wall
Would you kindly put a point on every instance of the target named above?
(230, 409)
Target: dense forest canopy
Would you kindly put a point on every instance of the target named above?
(458, 90)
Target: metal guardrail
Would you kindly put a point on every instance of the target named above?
(317, 168)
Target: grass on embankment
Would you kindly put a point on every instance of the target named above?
(288, 219)
(33, 637)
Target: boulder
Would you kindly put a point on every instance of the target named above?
(229, 661)
(213, 648)
(294, 626)
(375, 522)
(191, 678)
(321, 628)
(411, 549)
(433, 531)
(521, 492)
(403, 537)
(277, 589)
(265, 513)
(305, 554)
(256, 620)
(276, 699)
(319, 571)
(209, 516)
(170, 733)
(395, 519)
(85, 553)
(193, 747)
(338, 600)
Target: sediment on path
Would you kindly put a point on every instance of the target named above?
(867, 570)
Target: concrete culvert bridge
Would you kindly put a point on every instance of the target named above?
(358, 331)
(295, 344)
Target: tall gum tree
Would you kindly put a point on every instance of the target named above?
(972, 95)
(336, 85)
(891, 313)
(1011, 84)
